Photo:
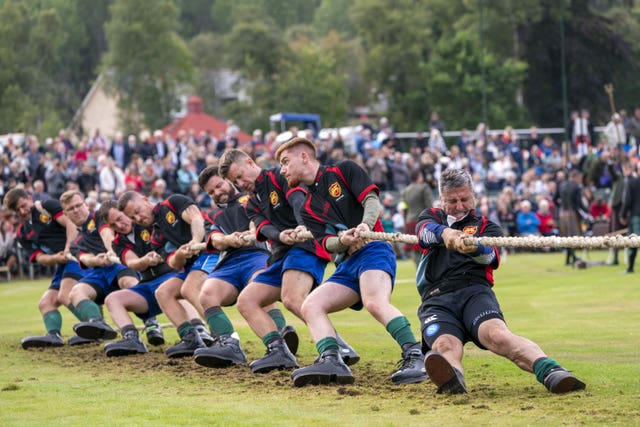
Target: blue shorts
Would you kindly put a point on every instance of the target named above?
(104, 280)
(372, 256)
(240, 267)
(205, 262)
(73, 270)
(147, 291)
(459, 313)
(295, 259)
(57, 277)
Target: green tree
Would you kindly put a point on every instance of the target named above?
(396, 42)
(147, 61)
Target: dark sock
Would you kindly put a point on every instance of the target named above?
(327, 343)
(218, 322)
(74, 311)
(52, 321)
(185, 328)
(270, 337)
(400, 330)
(129, 330)
(197, 322)
(542, 366)
(278, 318)
(88, 310)
(632, 258)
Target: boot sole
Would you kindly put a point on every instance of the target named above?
(292, 341)
(122, 352)
(180, 354)
(80, 341)
(155, 341)
(568, 384)
(442, 374)
(39, 344)
(318, 379)
(267, 369)
(214, 362)
(350, 359)
(92, 333)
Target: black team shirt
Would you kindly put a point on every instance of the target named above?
(270, 206)
(89, 240)
(42, 233)
(139, 242)
(229, 219)
(169, 229)
(334, 200)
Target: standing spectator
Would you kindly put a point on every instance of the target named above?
(399, 171)
(56, 179)
(421, 142)
(619, 170)
(64, 139)
(614, 132)
(572, 210)
(161, 148)
(415, 197)
(435, 122)
(87, 180)
(97, 143)
(583, 133)
(111, 177)
(8, 255)
(634, 129)
(436, 142)
(377, 168)
(120, 151)
(630, 214)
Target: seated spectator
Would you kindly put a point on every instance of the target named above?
(8, 255)
(547, 225)
(526, 221)
(600, 209)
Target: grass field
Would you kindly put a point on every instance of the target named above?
(588, 320)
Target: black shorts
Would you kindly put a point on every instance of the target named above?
(458, 313)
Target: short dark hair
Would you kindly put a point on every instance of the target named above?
(103, 212)
(206, 175)
(13, 196)
(228, 158)
(126, 198)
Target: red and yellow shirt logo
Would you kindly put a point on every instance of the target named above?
(470, 229)
(273, 198)
(145, 235)
(170, 217)
(44, 219)
(244, 199)
(335, 190)
(91, 226)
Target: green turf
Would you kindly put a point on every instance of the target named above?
(586, 319)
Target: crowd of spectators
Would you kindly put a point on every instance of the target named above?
(516, 178)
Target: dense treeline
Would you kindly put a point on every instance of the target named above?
(407, 57)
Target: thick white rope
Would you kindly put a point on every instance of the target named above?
(532, 242)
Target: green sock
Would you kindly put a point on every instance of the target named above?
(52, 321)
(400, 330)
(88, 310)
(271, 336)
(184, 328)
(542, 366)
(218, 322)
(327, 343)
(278, 318)
(72, 308)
